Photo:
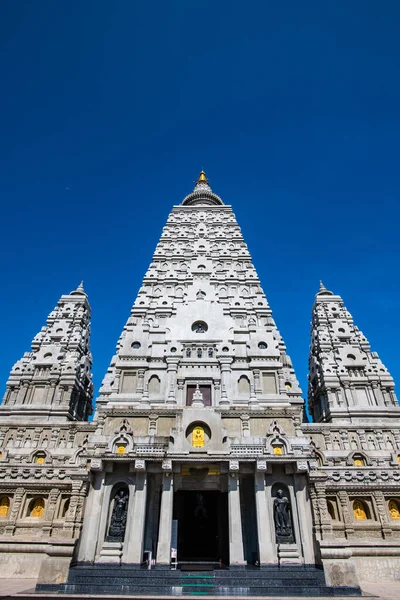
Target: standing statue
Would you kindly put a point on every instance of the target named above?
(116, 532)
(282, 518)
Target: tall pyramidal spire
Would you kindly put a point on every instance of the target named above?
(347, 381)
(201, 318)
(54, 381)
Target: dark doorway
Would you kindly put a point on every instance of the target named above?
(203, 533)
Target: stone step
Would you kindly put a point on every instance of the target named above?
(234, 581)
(280, 573)
(288, 581)
(299, 591)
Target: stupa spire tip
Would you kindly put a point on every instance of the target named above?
(323, 291)
(79, 289)
(202, 177)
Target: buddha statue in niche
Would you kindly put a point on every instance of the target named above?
(394, 509)
(359, 511)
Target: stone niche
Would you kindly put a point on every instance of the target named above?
(198, 434)
(209, 421)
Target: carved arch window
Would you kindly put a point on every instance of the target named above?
(331, 505)
(64, 507)
(331, 510)
(358, 460)
(361, 510)
(4, 506)
(278, 445)
(121, 445)
(394, 508)
(243, 385)
(319, 457)
(39, 458)
(354, 444)
(154, 385)
(36, 507)
(223, 293)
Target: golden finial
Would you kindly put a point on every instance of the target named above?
(202, 177)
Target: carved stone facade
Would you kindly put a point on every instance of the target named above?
(200, 417)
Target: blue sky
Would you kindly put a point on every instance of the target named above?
(109, 110)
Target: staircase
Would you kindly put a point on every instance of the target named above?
(266, 581)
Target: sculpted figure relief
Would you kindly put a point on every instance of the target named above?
(282, 518)
(116, 532)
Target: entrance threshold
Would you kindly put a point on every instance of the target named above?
(200, 565)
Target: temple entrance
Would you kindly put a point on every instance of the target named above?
(203, 534)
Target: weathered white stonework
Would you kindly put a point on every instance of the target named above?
(200, 417)
(54, 382)
(348, 382)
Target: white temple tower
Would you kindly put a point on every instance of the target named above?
(54, 381)
(199, 452)
(199, 403)
(201, 317)
(348, 382)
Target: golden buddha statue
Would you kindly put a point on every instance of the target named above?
(4, 506)
(198, 437)
(38, 508)
(394, 509)
(359, 510)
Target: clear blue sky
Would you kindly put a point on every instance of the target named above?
(108, 111)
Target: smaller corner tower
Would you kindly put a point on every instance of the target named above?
(54, 381)
(347, 381)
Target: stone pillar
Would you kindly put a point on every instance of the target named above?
(134, 532)
(325, 520)
(265, 523)
(165, 529)
(181, 383)
(392, 397)
(51, 504)
(91, 522)
(353, 393)
(21, 397)
(46, 396)
(382, 513)
(347, 394)
(69, 523)
(257, 381)
(15, 508)
(305, 517)
(217, 391)
(172, 369)
(140, 381)
(225, 369)
(347, 516)
(236, 554)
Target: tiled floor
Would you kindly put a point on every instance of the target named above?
(384, 591)
(10, 587)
